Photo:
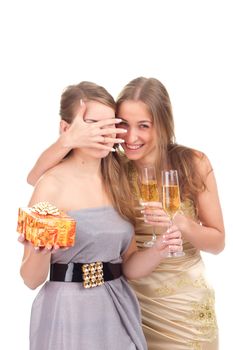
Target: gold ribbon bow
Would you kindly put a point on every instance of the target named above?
(45, 208)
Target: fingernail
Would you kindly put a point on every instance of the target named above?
(121, 140)
(81, 102)
(113, 150)
(21, 238)
(118, 120)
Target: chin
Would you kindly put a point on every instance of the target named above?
(132, 156)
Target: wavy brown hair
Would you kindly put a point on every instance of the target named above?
(171, 155)
(112, 169)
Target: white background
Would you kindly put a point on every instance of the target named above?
(47, 45)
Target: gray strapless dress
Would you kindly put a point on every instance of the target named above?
(65, 316)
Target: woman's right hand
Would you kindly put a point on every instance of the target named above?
(95, 135)
(171, 241)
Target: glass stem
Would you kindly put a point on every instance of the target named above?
(170, 254)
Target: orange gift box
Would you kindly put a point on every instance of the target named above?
(43, 224)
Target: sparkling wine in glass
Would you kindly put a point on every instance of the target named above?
(171, 199)
(148, 193)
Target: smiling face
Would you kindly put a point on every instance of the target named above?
(141, 138)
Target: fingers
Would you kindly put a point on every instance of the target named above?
(171, 242)
(107, 131)
(78, 119)
(171, 249)
(156, 216)
(49, 249)
(82, 109)
(172, 234)
(155, 212)
(52, 249)
(171, 245)
(21, 238)
(173, 229)
(46, 250)
(101, 123)
(152, 205)
(107, 139)
(106, 122)
(92, 134)
(112, 140)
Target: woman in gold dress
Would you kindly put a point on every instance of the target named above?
(176, 300)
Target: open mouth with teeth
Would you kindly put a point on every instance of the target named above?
(132, 147)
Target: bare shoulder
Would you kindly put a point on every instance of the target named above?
(47, 188)
(203, 164)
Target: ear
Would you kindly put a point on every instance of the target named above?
(64, 126)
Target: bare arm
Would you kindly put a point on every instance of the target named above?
(76, 135)
(48, 159)
(35, 266)
(137, 264)
(208, 236)
(35, 263)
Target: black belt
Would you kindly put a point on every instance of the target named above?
(91, 275)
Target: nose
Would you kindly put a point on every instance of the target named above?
(131, 135)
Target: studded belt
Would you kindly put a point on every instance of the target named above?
(91, 275)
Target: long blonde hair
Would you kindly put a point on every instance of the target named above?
(112, 170)
(154, 95)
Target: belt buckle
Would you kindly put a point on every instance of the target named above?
(93, 274)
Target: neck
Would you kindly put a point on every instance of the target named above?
(147, 161)
(84, 166)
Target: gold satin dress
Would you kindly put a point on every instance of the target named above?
(177, 303)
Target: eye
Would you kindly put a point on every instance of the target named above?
(144, 126)
(122, 124)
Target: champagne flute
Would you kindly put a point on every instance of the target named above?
(171, 199)
(148, 193)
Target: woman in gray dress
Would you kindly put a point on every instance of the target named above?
(66, 315)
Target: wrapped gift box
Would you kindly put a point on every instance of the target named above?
(43, 224)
